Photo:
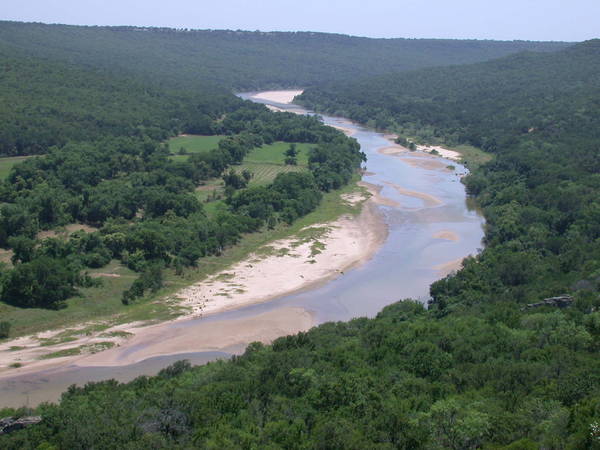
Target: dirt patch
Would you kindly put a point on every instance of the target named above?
(6, 256)
(105, 275)
(66, 231)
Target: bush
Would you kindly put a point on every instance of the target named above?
(42, 283)
(4, 330)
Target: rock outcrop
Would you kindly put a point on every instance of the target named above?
(10, 424)
(561, 301)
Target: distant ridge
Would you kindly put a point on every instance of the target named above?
(247, 59)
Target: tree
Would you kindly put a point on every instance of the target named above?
(23, 249)
(150, 279)
(247, 175)
(234, 180)
(42, 283)
(457, 426)
(291, 155)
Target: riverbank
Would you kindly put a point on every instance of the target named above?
(317, 254)
(283, 97)
(311, 256)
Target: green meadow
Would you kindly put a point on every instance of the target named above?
(192, 144)
(7, 163)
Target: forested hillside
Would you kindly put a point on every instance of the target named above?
(242, 59)
(46, 103)
(480, 104)
(487, 365)
(103, 164)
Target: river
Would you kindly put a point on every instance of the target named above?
(431, 228)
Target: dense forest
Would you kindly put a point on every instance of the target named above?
(104, 163)
(488, 364)
(48, 103)
(524, 96)
(242, 59)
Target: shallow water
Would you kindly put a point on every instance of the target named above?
(405, 266)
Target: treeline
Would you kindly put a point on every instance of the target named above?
(478, 369)
(242, 59)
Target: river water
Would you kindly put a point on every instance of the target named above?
(431, 227)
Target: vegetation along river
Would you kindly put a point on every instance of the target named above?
(431, 228)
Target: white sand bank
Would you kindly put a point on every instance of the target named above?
(443, 152)
(284, 97)
(285, 266)
(290, 264)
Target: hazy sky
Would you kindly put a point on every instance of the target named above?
(569, 20)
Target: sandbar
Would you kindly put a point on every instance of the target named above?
(375, 191)
(447, 235)
(428, 199)
(232, 336)
(283, 97)
(425, 163)
(317, 255)
(393, 150)
(443, 152)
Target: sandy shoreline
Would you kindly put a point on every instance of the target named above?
(284, 97)
(442, 151)
(424, 150)
(346, 130)
(318, 254)
(297, 264)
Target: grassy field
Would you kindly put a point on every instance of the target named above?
(268, 161)
(472, 157)
(275, 154)
(93, 304)
(192, 144)
(7, 163)
(265, 163)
